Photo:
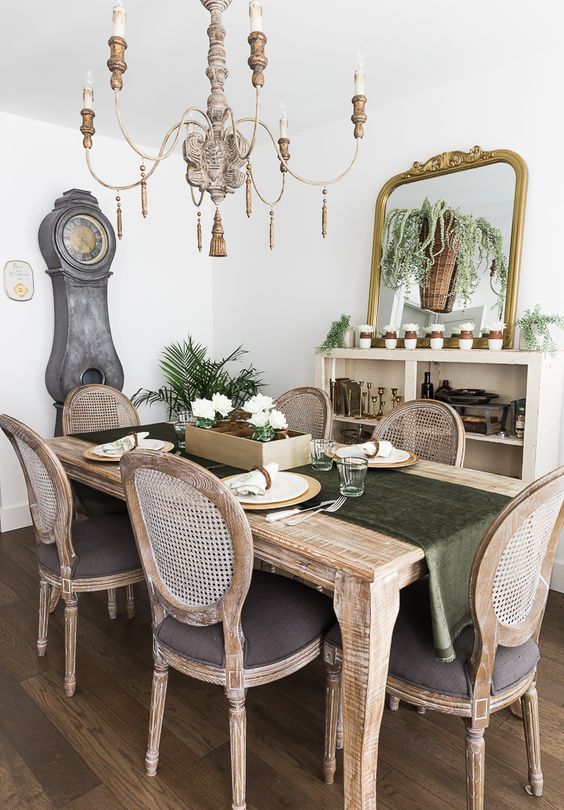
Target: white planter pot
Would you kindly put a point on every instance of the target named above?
(495, 344)
(465, 343)
(365, 343)
(349, 338)
(410, 343)
(390, 343)
(437, 343)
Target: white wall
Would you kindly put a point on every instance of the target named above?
(286, 300)
(161, 290)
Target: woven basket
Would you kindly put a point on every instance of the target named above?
(438, 294)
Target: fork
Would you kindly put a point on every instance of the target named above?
(333, 508)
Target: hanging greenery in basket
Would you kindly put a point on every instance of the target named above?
(438, 247)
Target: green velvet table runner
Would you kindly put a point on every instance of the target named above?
(446, 520)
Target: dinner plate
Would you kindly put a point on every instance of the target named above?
(308, 488)
(95, 454)
(397, 458)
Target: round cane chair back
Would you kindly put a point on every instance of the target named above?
(97, 407)
(307, 410)
(429, 428)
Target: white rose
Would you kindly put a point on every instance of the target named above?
(278, 420)
(222, 404)
(203, 409)
(260, 419)
(258, 403)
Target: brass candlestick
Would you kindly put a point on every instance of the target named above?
(394, 395)
(380, 413)
(373, 400)
(396, 400)
(349, 402)
(363, 409)
(360, 396)
(332, 386)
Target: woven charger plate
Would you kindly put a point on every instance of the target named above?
(383, 465)
(91, 456)
(313, 489)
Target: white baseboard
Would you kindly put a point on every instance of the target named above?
(14, 517)
(557, 580)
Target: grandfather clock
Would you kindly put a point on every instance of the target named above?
(78, 244)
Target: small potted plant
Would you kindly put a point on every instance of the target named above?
(205, 410)
(365, 333)
(535, 330)
(495, 336)
(265, 420)
(390, 333)
(410, 337)
(437, 338)
(466, 339)
(339, 336)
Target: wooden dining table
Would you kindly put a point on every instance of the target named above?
(363, 569)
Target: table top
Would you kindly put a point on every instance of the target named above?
(321, 545)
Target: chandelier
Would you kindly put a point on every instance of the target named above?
(217, 154)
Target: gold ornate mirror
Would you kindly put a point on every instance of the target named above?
(447, 245)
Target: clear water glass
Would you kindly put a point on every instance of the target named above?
(321, 450)
(183, 419)
(352, 473)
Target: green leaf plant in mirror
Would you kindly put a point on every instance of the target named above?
(190, 374)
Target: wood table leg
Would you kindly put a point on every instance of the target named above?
(367, 613)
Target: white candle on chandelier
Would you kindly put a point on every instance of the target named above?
(88, 92)
(255, 13)
(118, 19)
(283, 121)
(359, 77)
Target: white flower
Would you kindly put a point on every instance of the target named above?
(496, 326)
(260, 419)
(410, 327)
(203, 409)
(467, 327)
(222, 404)
(278, 420)
(389, 328)
(436, 327)
(258, 403)
(365, 327)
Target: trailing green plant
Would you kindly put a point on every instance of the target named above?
(335, 338)
(190, 374)
(534, 326)
(408, 248)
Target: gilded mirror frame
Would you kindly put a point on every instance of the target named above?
(447, 163)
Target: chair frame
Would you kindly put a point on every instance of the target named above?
(322, 398)
(51, 585)
(95, 389)
(457, 458)
(489, 633)
(234, 677)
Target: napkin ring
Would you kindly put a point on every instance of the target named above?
(266, 474)
(135, 440)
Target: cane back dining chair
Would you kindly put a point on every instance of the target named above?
(73, 556)
(99, 407)
(307, 410)
(497, 656)
(214, 619)
(431, 429)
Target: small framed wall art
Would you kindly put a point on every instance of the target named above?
(18, 280)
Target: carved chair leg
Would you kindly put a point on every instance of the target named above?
(238, 737)
(332, 703)
(130, 601)
(393, 703)
(71, 617)
(340, 735)
(530, 705)
(475, 767)
(421, 710)
(158, 698)
(112, 603)
(43, 617)
(54, 598)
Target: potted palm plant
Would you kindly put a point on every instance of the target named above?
(443, 251)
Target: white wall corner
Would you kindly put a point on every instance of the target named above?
(557, 580)
(15, 517)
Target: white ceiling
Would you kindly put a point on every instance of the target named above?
(46, 46)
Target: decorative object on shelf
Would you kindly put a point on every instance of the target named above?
(466, 396)
(517, 417)
(390, 336)
(205, 411)
(443, 390)
(362, 408)
(410, 336)
(495, 336)
(18, 280)
(214, 148)
(336, 337)
(365, 335)
(396, 398)
(190, 374)
(490, 184)
(437, 339)
(490, 420)
(535, 330)
(374, 401)
(369, 388)
(427, 388)
(381, 392)
(466, 339)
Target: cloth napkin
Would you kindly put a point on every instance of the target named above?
(373, 449)
(122, 445)
(253, 482)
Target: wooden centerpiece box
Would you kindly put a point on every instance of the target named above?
(229, 442)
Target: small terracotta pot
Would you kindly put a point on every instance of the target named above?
(391, 340)
(437, 340)
(410, 340)
(495, 341)
(466, 340)
(365, 340)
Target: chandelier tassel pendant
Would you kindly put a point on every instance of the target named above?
(144, 209)
(199, 231)
(248, 191)
(119, 218)
(218, 248)
(324, 214)
(271, 231)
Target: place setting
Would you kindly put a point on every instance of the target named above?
(114, 450)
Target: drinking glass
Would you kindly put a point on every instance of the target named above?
(321, 449)
(352, 472)
(183, 419)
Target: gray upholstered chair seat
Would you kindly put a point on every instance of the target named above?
(280, 617)
(413, 655)
(104, 546)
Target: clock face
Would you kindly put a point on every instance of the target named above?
(85, 239)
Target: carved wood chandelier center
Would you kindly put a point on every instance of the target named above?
(216, 152)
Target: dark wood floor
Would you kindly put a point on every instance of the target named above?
(87, 752)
